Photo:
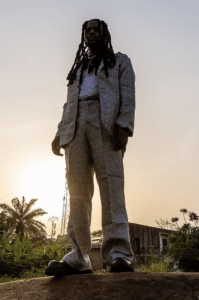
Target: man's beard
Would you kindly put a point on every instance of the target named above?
(96, 47)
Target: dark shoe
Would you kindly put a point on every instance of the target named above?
(121, 265)
(61, 268)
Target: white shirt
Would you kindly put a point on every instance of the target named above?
(89, 85)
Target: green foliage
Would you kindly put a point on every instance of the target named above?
(19, 255)
(26, 274)
(154, 267)
(5, 222)
(157, 264)
(21, 217)
(100, 271)
(184, 248)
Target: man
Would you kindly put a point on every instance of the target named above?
(97, 120)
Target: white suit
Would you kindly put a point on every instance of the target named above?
(86, 131)
(117, 99)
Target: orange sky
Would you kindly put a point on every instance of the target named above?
(39, 42)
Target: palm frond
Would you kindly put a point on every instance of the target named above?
(23, 202)
(36, 229)
(16, 203)
(37, 223)
(35, 213)
(29, 205)
(9, 211)
(23, 217)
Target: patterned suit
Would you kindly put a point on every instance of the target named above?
(86, 133)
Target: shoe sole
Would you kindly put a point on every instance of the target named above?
(121, 268)
(59, 273)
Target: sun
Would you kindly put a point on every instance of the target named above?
(44, 179)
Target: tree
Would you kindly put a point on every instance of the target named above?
(184, 211)
(23, 217)
(5, 223)
(166, 224)
(175, 220)
(173, 225)
(193, 217)
(183, 248)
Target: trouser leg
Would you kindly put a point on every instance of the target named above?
(92, 148)
(79, 170)
(109, 170)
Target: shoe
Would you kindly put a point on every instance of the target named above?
(61, 268)
(121, 265)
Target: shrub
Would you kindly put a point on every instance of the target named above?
(184, 248)
(17, 256)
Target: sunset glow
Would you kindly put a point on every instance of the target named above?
(38, 47)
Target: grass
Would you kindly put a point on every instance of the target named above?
(153, 268)
(36, 273)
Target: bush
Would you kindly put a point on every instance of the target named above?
(17, 256)
(184, 249)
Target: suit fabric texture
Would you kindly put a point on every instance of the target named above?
(117, 99)
(86, 133)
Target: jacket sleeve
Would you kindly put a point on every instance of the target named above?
(60, 123)
(126, 113)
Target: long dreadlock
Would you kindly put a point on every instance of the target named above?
(106, 53)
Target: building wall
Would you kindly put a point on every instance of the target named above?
(96, 258)
(146, 242)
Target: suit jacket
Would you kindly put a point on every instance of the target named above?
(117, 99)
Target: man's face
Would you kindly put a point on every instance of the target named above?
(92, 36)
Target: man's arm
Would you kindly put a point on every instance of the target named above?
(120, 139)
(60, 123)
(127, 96)
(125, 122)
(55, 143)
(55, 146)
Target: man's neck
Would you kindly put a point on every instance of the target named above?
(94, 49)
(91, 55)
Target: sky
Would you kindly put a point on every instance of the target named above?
(39, 41)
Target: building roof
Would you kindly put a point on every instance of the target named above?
(157, 228)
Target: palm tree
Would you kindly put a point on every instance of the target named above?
(23, 217)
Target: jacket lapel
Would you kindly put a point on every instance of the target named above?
(78, 73)
(100, 67)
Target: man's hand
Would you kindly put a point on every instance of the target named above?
(121, 139)
(55, 146)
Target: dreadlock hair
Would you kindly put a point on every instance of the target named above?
(106, 53)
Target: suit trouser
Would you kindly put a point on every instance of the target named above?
(91, 150)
